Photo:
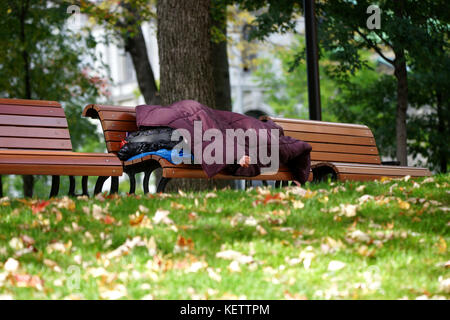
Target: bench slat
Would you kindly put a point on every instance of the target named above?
(344, 157)
(173, 172)
(63, 170)
(344, 148)
(26, 102)
(109, 125)
(117, 116)
(330, 138)
(34, 132)
(381, 170)
(50, 159)
(314, 122)
(28, 121)
(32, 111)
(32, 143)
(55, 153)
(326, 129)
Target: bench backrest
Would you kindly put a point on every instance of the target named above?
(336, 142)
(116, 121)
(33, 125)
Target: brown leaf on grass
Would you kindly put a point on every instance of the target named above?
(183, 244)
(39, 206)
(134, 221)
(273, 198)
(177, 206)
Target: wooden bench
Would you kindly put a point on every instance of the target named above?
(35, 140)
(344, 151)
(116, 121)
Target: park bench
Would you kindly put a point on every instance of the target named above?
(342, 151)
(116, 121)
(35, 140)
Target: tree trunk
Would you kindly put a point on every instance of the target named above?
(402, 105)
(185, 51)
(442, 125)
(220, 66)
(144, 73)
(28, 181)
(186, 69)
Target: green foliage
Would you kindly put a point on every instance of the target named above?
(121, 19)
(286, 86)
(419, 28)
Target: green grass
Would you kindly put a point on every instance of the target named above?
(394, 246)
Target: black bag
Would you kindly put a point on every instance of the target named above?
(146, 140)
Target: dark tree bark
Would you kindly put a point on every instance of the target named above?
(186, 68)
(28, 181)
(443, 123)
(135, 45)
(221, 67)
(144, 73)
(185, 51)
(402, 106)
(402, 92)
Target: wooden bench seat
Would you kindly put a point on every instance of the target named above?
(342, 151)
(35, 140)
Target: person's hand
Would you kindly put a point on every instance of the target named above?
(244, 162)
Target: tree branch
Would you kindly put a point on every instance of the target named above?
(374, 46)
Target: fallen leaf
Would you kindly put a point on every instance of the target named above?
(11, 265)
(134, 221)
(234, 266)
(161, 216)
(39, 206)
(336, 265)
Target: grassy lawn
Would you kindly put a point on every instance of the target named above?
(375, 240)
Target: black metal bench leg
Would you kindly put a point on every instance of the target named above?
(99, 184)
(147, 175)
(1, 187)
(162, 184)
(114, 185)
(146, 181)
(132, 177)
(84, 185)
(55, 186)
(71, 186)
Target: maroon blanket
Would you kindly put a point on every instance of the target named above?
(181, 115)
